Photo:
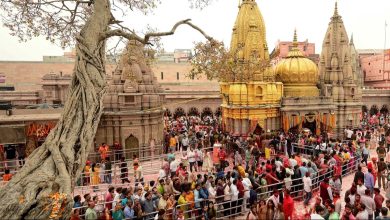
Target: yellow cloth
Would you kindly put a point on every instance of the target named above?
(190, 198)
(86, 170)
(347, 156)
(172, 142)
(241, 171)
(267, 152)
(95, 177)
(182, 202)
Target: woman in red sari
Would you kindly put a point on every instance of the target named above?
(374, 167)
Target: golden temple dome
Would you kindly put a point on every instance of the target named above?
(298, 73)
(248, 38)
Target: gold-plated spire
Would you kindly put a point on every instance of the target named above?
(295, 40)
(295, 52)
(249, 35)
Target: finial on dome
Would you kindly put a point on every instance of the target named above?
(295, 40)
(336, 11)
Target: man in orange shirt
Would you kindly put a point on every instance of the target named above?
(172, 143)
(7, 176)
(103, 150)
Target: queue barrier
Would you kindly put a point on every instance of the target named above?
(234, 208)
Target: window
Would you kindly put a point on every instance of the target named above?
(259, 91)
(380, 71)
(129, 99)
(162, 75)
(177, 75)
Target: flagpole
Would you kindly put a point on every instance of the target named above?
(384, 53)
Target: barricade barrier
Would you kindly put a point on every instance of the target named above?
(225, 209)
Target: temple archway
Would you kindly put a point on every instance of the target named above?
(364, 109)
(258, 130)
(131, 146)
(374, 110)
(193, 112)
(310, 122)
(207, 112)
(384, 110)
(179, 112)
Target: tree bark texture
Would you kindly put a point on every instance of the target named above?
(62, 157)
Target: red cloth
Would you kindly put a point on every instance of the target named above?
(269, 178)
(286, 163)
(180, 172)
(378, 200)
(241, 189)
(109, 200)
(337, 170)
(324, 192)
(222, 154)
(288, 206)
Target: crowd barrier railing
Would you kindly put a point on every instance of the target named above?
(225, 209)
(143, 154)
(150, 165)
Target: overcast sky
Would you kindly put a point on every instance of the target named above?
(365, 19)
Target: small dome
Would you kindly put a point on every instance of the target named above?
(296, 68)
(298, 71)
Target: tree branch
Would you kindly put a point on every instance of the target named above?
(146, 38)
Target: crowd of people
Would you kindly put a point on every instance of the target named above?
(207, 174)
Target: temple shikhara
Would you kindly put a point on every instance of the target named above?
(252, 99)
(295, 93)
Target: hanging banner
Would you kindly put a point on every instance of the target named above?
(40, 130)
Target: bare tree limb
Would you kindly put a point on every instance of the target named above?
(146, 38)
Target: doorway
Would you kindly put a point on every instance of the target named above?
(131, 147)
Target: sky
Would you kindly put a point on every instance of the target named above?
(365, 19)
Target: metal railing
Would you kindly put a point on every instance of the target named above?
(231, 208)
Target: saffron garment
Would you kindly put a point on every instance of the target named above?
(288, 206)
(7, 177)
(103, 150)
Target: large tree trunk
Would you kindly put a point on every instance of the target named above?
(63, 155)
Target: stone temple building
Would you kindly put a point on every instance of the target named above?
(340, 74)
(133, 112)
